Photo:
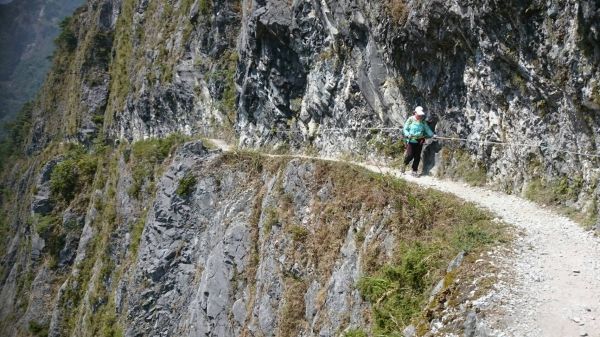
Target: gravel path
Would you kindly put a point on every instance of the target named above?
(555, 266)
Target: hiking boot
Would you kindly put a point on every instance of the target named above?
(414, 174)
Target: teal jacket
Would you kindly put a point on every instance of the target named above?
(415, 130)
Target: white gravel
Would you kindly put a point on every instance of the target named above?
(554, 284)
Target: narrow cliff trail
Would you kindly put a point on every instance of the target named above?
(551, 280)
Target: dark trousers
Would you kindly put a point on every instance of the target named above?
(413, 152)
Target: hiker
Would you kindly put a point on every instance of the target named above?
(416, 130)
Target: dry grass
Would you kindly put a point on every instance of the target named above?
(430, 228)
(291, 319)
(398, 11)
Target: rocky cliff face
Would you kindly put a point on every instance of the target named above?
(284, 74)
(110, 232)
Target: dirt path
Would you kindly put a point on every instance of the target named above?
(554, 289)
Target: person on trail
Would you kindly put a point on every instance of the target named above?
(416, 130)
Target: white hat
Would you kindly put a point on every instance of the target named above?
(419, 111)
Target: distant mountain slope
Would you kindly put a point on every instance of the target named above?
(27, 31)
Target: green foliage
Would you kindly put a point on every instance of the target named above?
(38, 329)
(554, 192)
(355, 333)
(390, 148)
(224, 75)
(49, 228)
(519, 82)
(63, 180)
(271, 219)
(399, 290)
(186, 185)
(136, 235)
(16, 134)
(123, 52)
(73, 174)
(66, 40)
(98, 119)
(471, 171)
(205, 7)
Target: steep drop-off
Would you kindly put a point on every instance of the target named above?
(227, 244)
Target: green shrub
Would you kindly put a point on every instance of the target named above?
(355, 333)
(298, 233)
(471, 171)
(63, 180)
(136, 235)
(66, 39)
(71, 175)
(399, 291)
(205, 6)
(186, 185)
(15, 134)
(38, 329)
(49, 228)
(390, 148)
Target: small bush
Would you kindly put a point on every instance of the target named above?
(49, 229)
(66, 39)
(72, 174)
(63, 180)
(15, 134)
(38, 329)
(398, 291)
(186, 185)
(298, 233)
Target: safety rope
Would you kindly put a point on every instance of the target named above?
(484, 142)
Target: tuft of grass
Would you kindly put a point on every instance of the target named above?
(556, 193)
(398, 291)
(390, 149)
(398, 11)
(186, 185)
(205, 7)
(271, 219)
(292, 316)
(299, 233)
(136, 231)
(355, 333)
(459, 165)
